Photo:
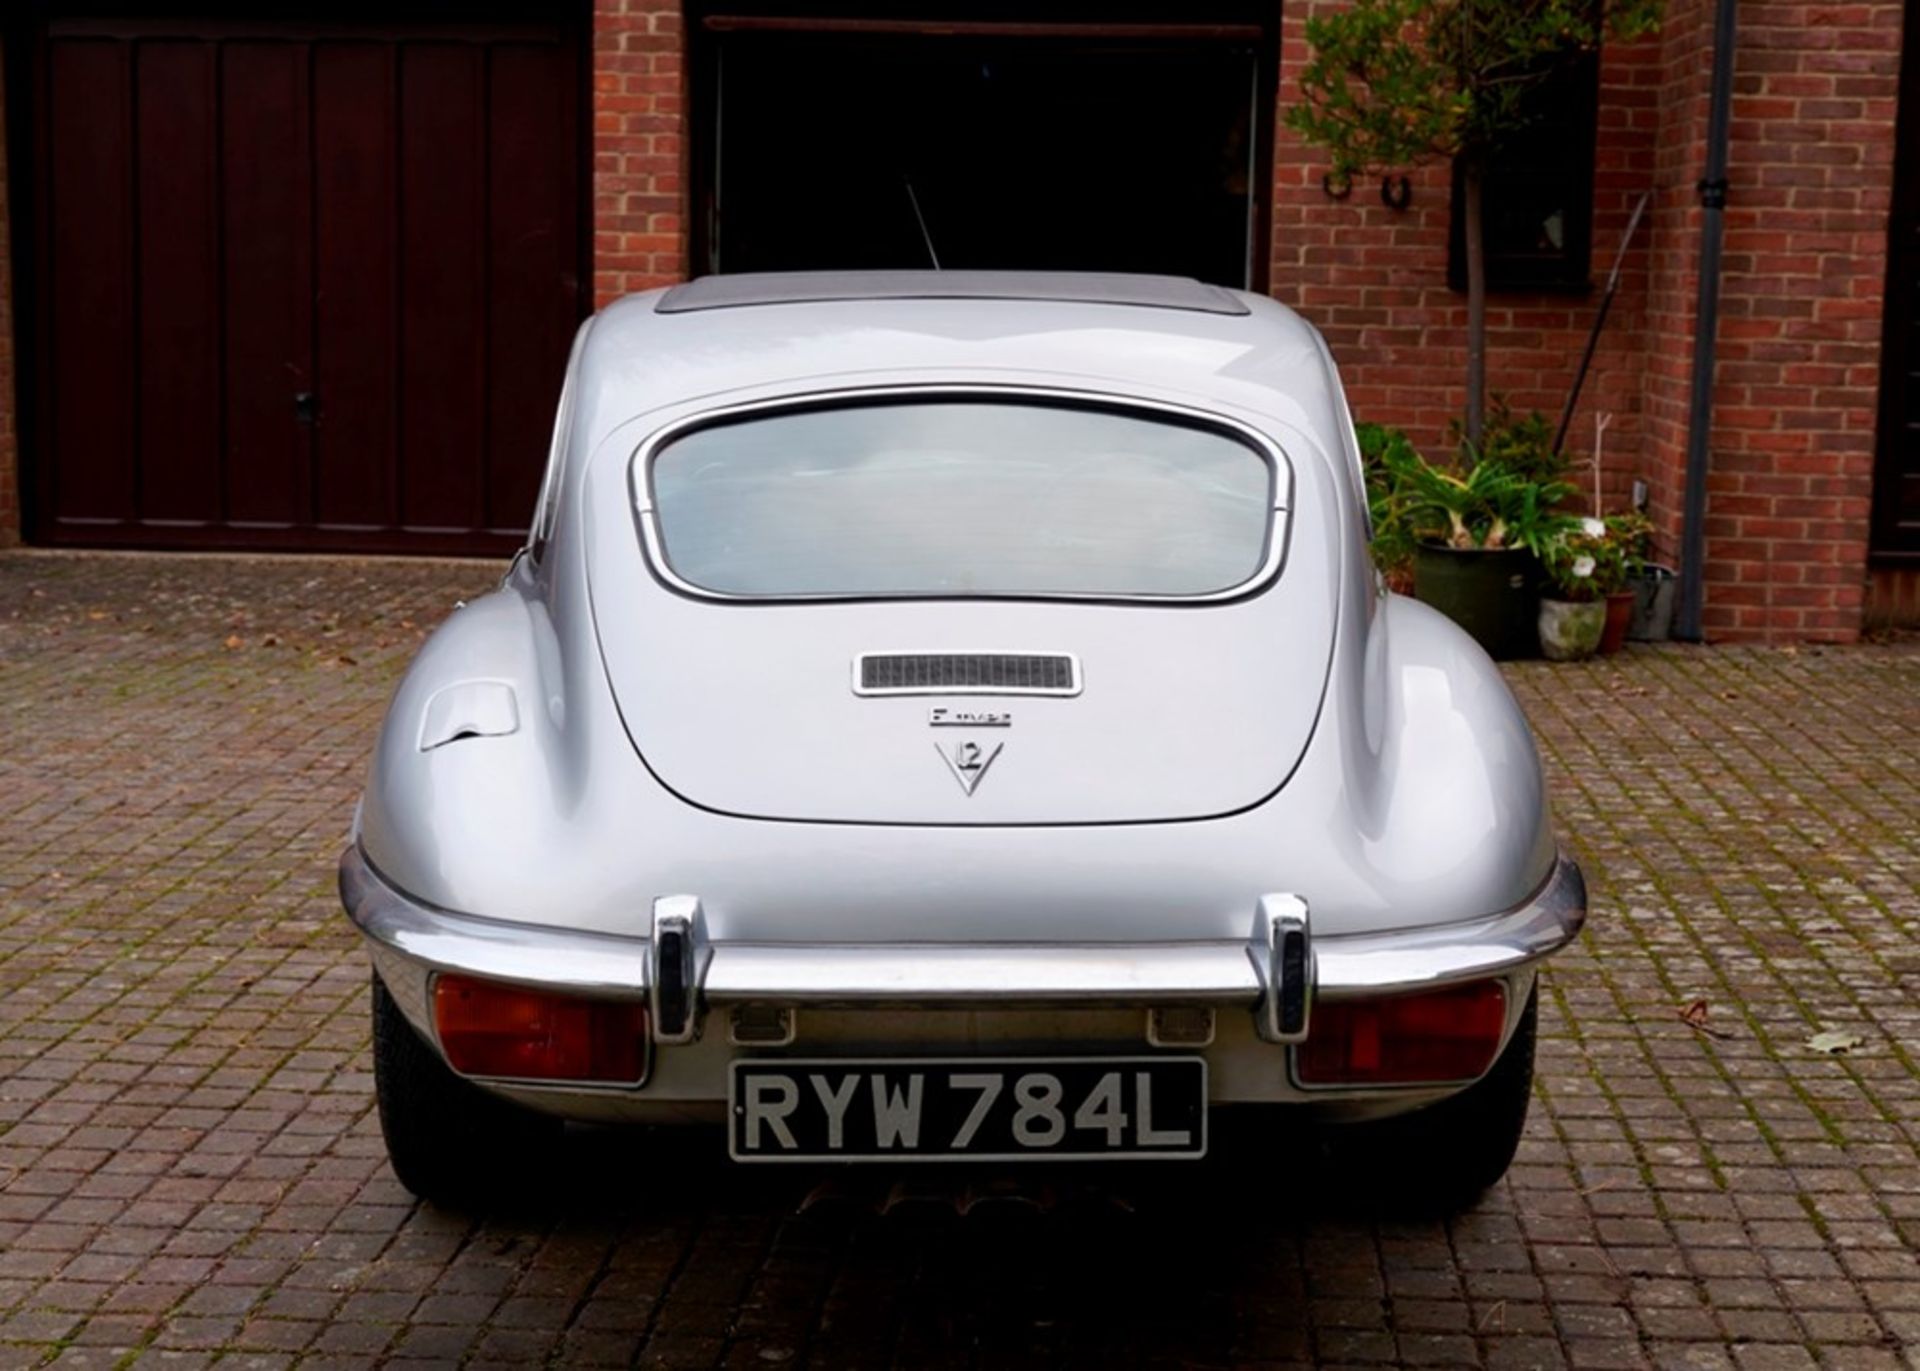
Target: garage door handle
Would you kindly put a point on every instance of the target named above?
(306, 407)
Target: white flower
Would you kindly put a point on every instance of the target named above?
(1593, 528)
(1583, 567)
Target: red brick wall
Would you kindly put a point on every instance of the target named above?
(9, 428)
(1797, 387)
(1375, 281)
(1797, 381)
(639, 146)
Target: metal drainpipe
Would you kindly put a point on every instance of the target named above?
(1713, 199)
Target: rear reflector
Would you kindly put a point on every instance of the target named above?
(1439, 1035)
(489, 1029)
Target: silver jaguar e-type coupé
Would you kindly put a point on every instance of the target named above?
(952, 716)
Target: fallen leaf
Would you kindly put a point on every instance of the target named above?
(270, 640)
(1833, 1042)
(1694, 1016)
(235, 640)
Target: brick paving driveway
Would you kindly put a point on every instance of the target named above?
(191, 1171)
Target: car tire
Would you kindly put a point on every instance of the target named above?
(449, 1141)
(1442, 1158)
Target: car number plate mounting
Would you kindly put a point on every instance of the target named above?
(967, 1109)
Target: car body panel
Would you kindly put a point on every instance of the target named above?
(1317, 737)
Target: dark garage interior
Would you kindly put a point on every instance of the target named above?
(980, 145)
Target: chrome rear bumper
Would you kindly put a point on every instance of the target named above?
(1249, 974)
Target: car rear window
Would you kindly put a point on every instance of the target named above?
(962, 497)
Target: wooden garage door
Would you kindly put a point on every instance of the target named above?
(302, 287)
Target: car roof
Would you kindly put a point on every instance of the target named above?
(1075, 287)
(773, 336)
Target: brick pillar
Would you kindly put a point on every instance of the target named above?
(1797, 386)
(639, 146)
(9, 429)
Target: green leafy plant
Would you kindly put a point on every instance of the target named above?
(1591, 558)
(1395, 83)
(1486, 504)
(1634, 532)
(1393, 537)
(1520, 442)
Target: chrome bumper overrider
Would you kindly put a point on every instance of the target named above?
(1278, 970)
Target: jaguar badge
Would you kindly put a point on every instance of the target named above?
(968, 761)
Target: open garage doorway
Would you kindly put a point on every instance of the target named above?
(911, 141)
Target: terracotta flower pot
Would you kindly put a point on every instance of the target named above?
(1619, 618)
(1570, 630)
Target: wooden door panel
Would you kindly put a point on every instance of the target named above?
(356, 458)
(234, 215)
(532, 230)
(90, 283)
(179, 239)
(442, 264)
(269, 285)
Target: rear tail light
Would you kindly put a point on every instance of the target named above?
(490, 1029)
(1438, 1035)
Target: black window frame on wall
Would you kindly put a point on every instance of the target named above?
(1551, 160)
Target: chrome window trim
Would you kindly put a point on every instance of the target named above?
(1279, 471)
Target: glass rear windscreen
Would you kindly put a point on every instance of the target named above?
(962, 497)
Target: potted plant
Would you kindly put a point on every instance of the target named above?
(1622, 556)
(1476, 528)
(1587, 564)
(1573, 613)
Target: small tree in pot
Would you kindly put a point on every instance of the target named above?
(1395, 83)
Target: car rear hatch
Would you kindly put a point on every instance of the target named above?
(969, 611)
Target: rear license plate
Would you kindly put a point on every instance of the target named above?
(967, 1109)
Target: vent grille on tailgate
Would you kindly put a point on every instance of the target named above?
(945, 673)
